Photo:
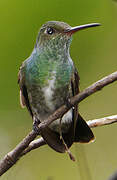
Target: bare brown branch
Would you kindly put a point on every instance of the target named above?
(34, 145)
(91, 123)
(27, 144)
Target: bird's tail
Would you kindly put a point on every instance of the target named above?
(83, 133)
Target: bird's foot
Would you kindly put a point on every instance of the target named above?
(36, 122)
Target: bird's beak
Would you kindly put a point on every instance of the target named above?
(72, 30)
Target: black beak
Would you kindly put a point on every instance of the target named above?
(72, 30)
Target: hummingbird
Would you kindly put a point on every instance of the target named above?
(48, 79)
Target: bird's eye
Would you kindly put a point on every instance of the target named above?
(50, 30)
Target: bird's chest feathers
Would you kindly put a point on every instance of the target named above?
(48, 82)
(48, 91)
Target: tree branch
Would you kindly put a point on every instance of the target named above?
(91, 123)
(27, 144)
(102, 121)
(79, 97)
(34, 145)
(11, 158)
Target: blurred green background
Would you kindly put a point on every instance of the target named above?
(94, 52)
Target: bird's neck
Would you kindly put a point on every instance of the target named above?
(57, 49)
(53, 59)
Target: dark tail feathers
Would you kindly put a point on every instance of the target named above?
(83, 133)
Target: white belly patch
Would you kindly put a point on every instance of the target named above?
(48, 92)
(65, 123)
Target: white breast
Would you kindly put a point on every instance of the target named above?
(48, 92)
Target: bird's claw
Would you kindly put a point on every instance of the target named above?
(36, 122)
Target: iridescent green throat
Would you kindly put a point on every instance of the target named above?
(51, 59)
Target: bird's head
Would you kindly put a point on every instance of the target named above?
(56, 33)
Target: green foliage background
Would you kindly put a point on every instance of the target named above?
(94, 52)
